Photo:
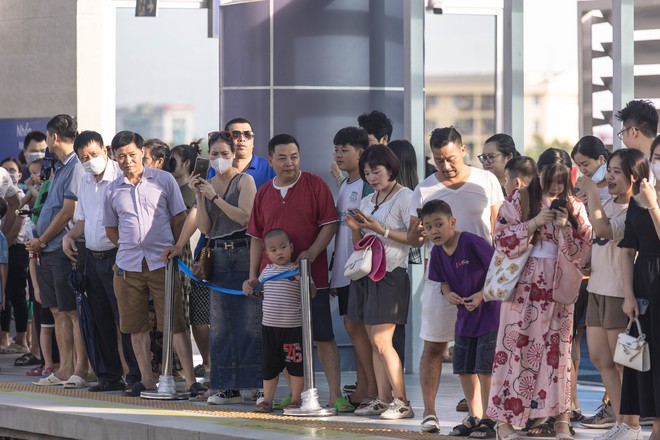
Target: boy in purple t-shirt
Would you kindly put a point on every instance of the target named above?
(459, 261)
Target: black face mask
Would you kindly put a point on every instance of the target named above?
(172, 164)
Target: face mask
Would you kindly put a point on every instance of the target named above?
(14, 178)
(655, 167)
(35, 155)
(95, 166)
(599, 175)
(222, 165)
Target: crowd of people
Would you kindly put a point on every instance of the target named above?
(119, 214)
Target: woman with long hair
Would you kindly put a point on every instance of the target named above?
(531, 369)
(498, 150)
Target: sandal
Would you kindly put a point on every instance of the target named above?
(547, 429)
(485, 430)
(364, 403)
(465, 428)
(533, 423)
(36, 372)
(198, 392)
(28, 359)
(343, 405)
(511, 436)
(76, 382)
(563, 435)
(263, 407)
(284, 403)
(430, 424)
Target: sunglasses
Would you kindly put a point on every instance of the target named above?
(236, 134)
(215, 135)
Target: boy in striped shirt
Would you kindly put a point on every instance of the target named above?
(282, 321)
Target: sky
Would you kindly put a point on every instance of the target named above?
(157, 58)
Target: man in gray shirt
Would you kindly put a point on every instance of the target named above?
(54, 222)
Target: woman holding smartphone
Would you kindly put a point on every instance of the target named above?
(384, 304)
(224, 205)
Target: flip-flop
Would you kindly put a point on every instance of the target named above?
(76, 382)
(28, 359)
(135, 390)
(50, 381)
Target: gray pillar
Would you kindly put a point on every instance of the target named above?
(413, 128)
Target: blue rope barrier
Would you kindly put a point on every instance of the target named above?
(188, 272)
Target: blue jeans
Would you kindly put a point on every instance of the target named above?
(235, 337)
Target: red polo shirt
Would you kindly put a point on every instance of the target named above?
(308, 206)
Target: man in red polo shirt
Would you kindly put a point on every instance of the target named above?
(300, 203)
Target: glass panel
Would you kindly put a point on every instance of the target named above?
(460, 77)
(338, 43)
(247, 63)
(253, 105)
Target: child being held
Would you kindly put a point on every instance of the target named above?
(459, 261)
(282, 322)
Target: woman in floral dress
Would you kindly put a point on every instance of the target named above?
(532, 365)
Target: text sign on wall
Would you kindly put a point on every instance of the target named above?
(13, 131)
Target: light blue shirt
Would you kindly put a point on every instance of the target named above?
(66, 182)
(143, 214)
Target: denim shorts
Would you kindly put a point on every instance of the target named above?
(474, 355)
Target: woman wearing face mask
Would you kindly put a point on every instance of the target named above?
(590, 156)
(224, 205)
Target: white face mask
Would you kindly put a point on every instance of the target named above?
(35, 155)
(222, 165)
(95, 166)
(655, 168)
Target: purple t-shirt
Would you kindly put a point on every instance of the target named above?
(143, 215)
(465, 272)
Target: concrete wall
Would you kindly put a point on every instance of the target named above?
(37, 58)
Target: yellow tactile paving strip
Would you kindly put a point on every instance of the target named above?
(351, 429)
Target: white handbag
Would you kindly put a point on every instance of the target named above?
(631, 351)
(503, 274)
(359, 263)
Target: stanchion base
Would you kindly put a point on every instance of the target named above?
(155, 395)
(299, 412)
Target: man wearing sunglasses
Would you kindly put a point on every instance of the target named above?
(239, 131)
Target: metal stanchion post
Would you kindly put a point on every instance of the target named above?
(310, 397)
(166, 385)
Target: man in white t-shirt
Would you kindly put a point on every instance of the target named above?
(475, 197)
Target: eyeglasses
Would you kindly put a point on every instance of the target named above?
(236, 134)
(215, 135)
(483, 158)
(620, 134)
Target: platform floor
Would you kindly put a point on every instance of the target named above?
(27, 411)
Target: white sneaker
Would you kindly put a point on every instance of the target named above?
(398, 409)
(376, 407)
(625, 432)
(613, 430)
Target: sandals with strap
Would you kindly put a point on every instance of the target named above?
(547, 428)
(563, 435)
(513, 435)
(465, 428)
(485, 430)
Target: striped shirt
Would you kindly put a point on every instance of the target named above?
(281, 307)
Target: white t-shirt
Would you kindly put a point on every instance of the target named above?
(471, 203)
(393, 215)
(349, 197)
(606, 256)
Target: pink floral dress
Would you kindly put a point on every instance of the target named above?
(532, 364)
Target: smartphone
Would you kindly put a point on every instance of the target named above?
(557, 203)
(201, 167)
(356, 213)
(642, 305)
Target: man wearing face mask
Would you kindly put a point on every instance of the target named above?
(34, 148)
(99, 258)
